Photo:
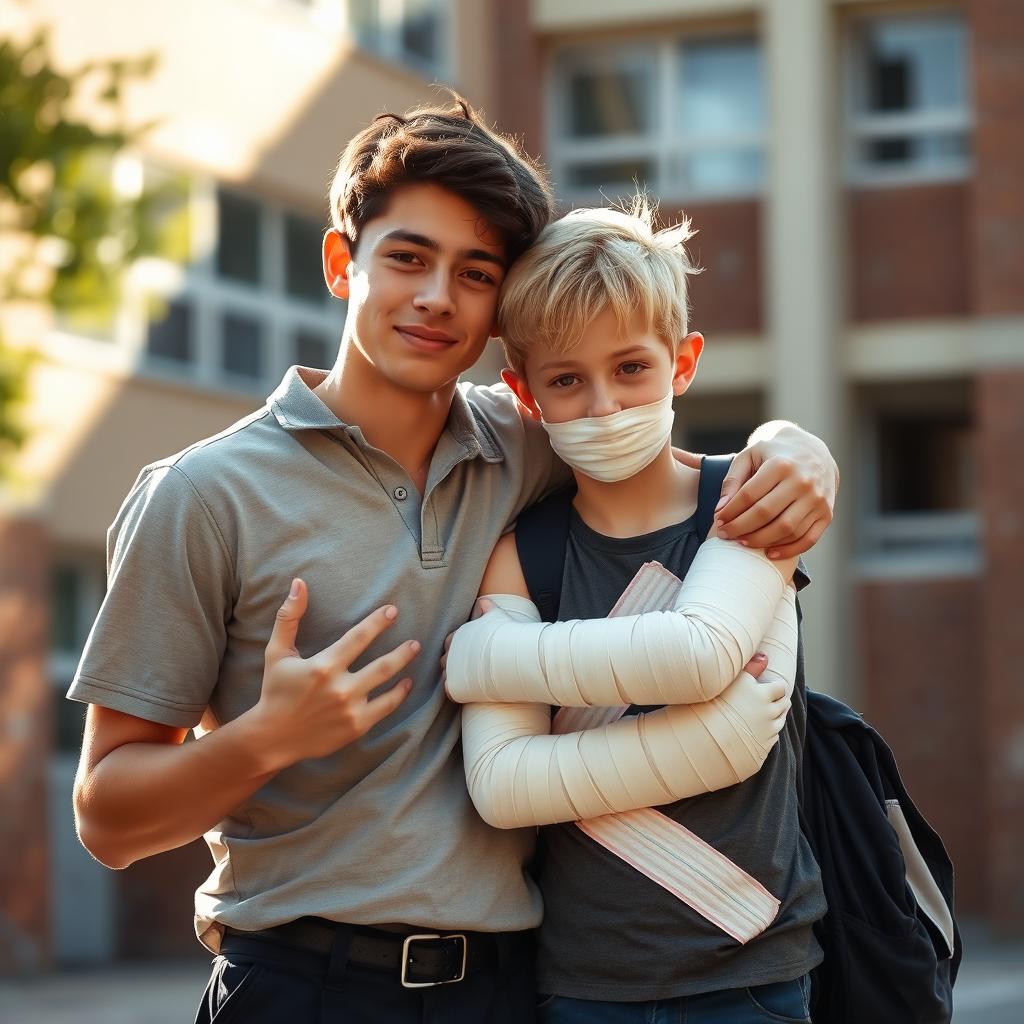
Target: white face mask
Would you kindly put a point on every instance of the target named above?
(615, 447)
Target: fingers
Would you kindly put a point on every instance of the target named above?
(688, 459)
(286, 623)
(382, 706)
(740, 472)
(745, 498)
(482, 607)
(792, 524)
(757, 664)
(352, 644)
(760, 500)
(801, 544)
(381, 669)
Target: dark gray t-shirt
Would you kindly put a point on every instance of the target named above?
(611, 933)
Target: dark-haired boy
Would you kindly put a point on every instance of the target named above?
(352, 875)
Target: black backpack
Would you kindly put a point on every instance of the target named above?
(892, 947)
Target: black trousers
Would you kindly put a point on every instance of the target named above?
(256, 981)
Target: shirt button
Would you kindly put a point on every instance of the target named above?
(400, 493)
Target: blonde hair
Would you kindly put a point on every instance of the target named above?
(591, 260)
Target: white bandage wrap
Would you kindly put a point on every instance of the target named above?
(683, 656)
(519, 775)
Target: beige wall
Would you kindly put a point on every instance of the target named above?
(91, 431)
(263, 93)
(561, 15)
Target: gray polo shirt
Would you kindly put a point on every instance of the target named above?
(200, 557)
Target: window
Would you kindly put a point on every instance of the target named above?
(919, 469)
(684, 117)
(908, 105)
(410, 32)
(242, 346)
(239, 238)
(311, 348)
(76, 590)
(249, 301)
(170, 333)
(304, 278)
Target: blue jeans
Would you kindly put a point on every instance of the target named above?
(784, 1002)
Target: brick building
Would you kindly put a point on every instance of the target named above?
(854, 170)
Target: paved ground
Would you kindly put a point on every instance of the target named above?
(990, 991)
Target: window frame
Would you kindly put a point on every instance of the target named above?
(859, 127)
(666, 152)
(389, 33)
(210, 295)
(910, 543)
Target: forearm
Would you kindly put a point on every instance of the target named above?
(686, 655)
(146, 798)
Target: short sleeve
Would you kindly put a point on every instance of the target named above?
(156, 646)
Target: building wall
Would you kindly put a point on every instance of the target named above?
(908, 252)
(25, 730)
(921, 649)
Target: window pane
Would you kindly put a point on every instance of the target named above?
(919, 150)
(913, 64)
(925, 464)
(66, 626)
(614, 99)
(718, 440)
(169, 334)
(239, 237)
(726, 170)
(364, 17)
(242, 353)
(610, 174)
(720, 87)
(304, 276)
(68, 722)
(311, 348)
(420, 32)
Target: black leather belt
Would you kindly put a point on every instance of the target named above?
(420, 959)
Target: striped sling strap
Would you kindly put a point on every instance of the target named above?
(667, 852)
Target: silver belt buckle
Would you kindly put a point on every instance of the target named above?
(409, 940)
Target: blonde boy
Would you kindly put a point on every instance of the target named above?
(594, 322)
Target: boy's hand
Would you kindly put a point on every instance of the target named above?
(311, 707)
(779, 493)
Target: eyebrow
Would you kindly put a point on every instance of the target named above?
(413, 238)
(569, 364)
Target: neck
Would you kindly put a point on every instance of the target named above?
(404, 424)
(663, 493)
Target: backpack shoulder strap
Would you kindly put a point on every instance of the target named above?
(713, 470)
(542, 532)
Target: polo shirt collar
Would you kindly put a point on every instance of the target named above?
(296, 407)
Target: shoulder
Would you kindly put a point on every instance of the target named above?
(206, 459)
(504, 574)
(495, 409)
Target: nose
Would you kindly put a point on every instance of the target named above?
(602, 402)
(435, 297)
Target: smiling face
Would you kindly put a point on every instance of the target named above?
(609, 370)
(422, 286)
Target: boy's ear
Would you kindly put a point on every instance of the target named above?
(687, 357)
(337, 260)
(518, 386)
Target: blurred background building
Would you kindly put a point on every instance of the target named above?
(856, 174)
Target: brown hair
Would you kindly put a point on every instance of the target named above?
(452, 148)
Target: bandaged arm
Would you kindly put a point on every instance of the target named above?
(682, 656)
(519, 775)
